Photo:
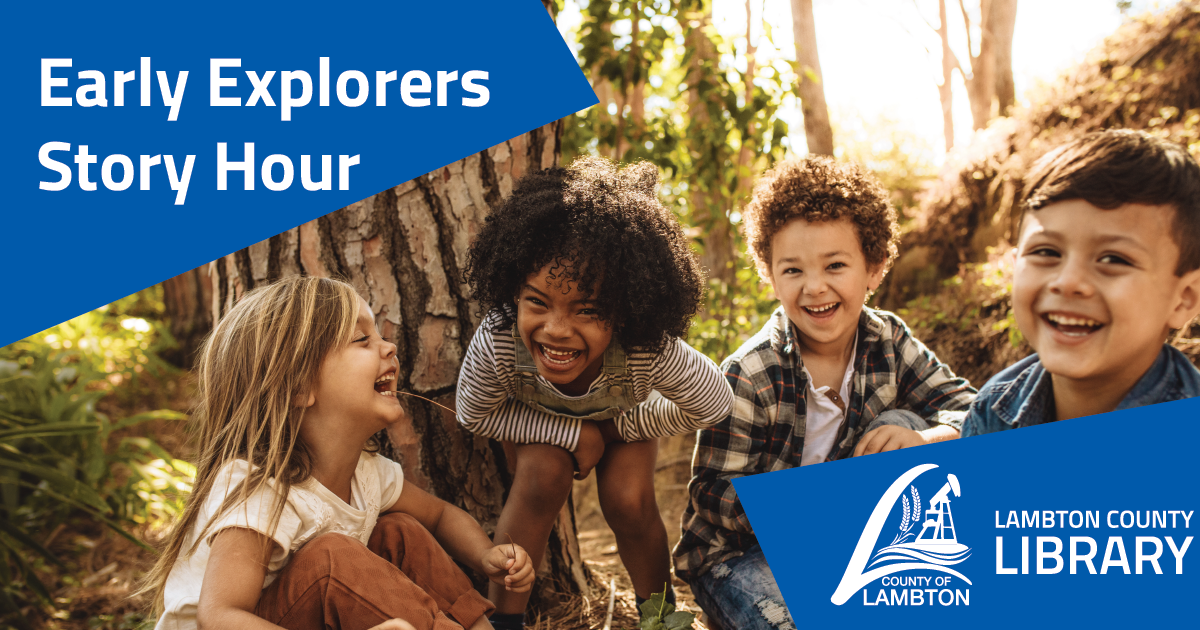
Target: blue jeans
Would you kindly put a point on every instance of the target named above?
(741, 594)
(899, 418)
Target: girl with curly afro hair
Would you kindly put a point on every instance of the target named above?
(587, 284)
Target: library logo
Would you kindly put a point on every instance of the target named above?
(914, 569)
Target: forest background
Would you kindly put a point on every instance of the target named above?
(947, 102)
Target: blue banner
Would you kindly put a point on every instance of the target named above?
(1075, 523)
(145, 139)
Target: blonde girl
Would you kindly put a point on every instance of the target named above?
(294, 520)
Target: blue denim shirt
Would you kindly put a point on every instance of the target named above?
(1022, 395)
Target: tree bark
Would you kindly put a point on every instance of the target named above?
(981, 85)
(404, 249)
(708, 206)
(630, 94)
(187, 298)
(746, 153)
(945, 90)
(1003, 23)
(811, 87)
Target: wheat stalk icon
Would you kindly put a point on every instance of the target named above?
(909, 515)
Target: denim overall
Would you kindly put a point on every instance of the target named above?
(602, 404)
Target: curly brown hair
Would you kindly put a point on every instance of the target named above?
(816, 188)
(609, 233)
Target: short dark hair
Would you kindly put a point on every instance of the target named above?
(1109, 169)
(816, 188)
(609, 233)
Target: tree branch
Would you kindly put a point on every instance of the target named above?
(958, 66)
(967, 21)
(923, 18)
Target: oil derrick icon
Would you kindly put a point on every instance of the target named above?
(941, 531)
(938, 539)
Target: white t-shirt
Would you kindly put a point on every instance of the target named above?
(823, 417)
(310, 510)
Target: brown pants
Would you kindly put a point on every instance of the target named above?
(403, 573)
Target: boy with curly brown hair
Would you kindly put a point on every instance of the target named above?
(826, 378)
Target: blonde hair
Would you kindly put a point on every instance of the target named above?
(255, 372)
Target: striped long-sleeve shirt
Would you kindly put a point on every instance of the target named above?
(694, 394)
(766, 429)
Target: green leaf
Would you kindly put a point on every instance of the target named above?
(31, 579)
(27, 540)
(161, 414)
(65, 484)
(679, 620)
(50, 429)
(116, 527)
(12, 612)
(111, 524)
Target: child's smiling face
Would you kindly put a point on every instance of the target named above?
(1095, 290)
(822, 278)
(562, 330)
(357, 381)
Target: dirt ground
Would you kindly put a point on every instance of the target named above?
(599, 549)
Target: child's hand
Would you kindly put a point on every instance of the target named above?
(508, 564)
(888, 438)
(589, 450)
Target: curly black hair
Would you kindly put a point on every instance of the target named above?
(816, 188)
(609, 234)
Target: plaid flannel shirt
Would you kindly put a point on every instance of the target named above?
(765, 430)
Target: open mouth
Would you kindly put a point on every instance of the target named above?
(558, 358)
(823, 310)
(385, 384)
(1071, 325)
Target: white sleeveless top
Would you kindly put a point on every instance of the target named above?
(309, 510)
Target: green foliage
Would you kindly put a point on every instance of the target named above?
(659, 614)
(979, 290)
(903, 161)
(61, 457)
(696, 121)
(735, 313)
(969, 322)
(128, 621)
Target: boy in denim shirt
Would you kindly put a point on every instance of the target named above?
(825, 379)
(1108, 262)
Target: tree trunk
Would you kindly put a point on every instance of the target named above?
(709, 210)
(630, 94)
(945, 90)
(404, 249)
(187, 298)
(811, 87)
(981, 85)
(1003, 23)
(746, 154)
